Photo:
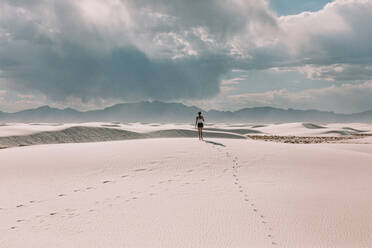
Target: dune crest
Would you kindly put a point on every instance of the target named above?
(82, 134)
(312, 126)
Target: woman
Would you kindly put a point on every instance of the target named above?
(199, 122)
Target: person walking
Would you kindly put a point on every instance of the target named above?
(199, 123)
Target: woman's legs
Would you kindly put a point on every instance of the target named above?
(200, 131)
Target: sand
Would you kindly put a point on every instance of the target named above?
(180, 192)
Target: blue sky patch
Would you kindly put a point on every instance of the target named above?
(291, 7)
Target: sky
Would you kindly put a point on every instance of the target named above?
(215, 54)
(292, 7)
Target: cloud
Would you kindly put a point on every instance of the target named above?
(346, 98)
(339, 33)
(127, 50)
(338, 72)
(332, 44)
(124, 72)
(96, 52)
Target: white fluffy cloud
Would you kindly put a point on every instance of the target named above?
(338, 72)
(340, 32)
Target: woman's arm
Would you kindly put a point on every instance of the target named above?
(196, 121)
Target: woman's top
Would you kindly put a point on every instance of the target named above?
(200, 119)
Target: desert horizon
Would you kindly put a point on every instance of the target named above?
(173, 112)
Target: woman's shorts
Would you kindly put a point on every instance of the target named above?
(200, 125)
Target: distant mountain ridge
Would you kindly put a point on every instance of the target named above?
(157, 111)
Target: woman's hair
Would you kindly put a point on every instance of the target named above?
(199, 113)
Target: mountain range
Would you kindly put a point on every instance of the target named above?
(162, 112)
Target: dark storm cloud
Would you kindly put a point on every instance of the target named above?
(121, 72)
(67, 48)
(163, 49)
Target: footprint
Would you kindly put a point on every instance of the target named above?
(53, 213)
(106, 181)
(20, 220)
(88, 188)
(255, 210)
(60, 195)
(76, 190)
(190, 171)
(273, 243)
(73, 215)
(124, 176)
(246, 199)
(141, 169)
(13, 227)
(270, 236)
(20, 205)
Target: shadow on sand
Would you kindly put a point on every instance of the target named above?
(214, 143)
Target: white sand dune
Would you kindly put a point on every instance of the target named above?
(186, 193)
(12, 135)
(311, 129)
(80, 134)
(146, 191)
(312, 126)
(233, 130)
